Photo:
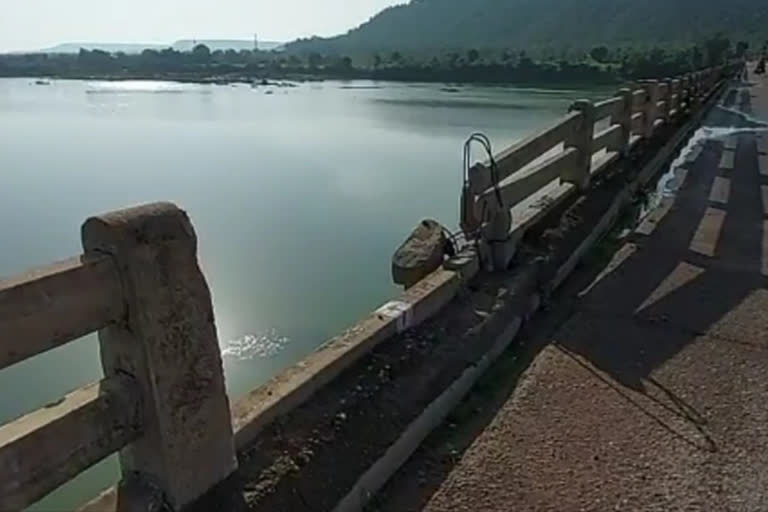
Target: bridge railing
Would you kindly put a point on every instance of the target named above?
(569, 154)
(162, 401)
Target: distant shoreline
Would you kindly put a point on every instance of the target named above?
(160, 77)
(292, 79)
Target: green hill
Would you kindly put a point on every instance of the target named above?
(552, 24)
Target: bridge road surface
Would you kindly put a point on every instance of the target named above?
(653, 394)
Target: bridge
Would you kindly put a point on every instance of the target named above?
(639, 377)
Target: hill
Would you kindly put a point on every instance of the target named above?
(107, 47)
(550, 24)
(182, 45)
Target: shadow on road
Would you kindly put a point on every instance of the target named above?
(702, 260)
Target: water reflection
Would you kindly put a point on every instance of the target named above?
(298, 200)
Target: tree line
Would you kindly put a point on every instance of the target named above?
(599, 65)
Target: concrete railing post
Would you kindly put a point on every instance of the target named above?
(168, 344)
(501, 246)
(711, 79)
(624, 119)
(674, 96)
(684, 94)
(664, 98)
(498, 228)
(696, 91)
(650, 108)
(690, 95)
(581, 139)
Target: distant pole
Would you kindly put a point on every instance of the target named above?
(255, 42)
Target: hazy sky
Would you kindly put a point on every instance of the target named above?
(33, 24)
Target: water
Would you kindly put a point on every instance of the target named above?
(299, 197)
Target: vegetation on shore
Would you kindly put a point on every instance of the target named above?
(598, 65)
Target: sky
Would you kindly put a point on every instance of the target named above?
(36, 24)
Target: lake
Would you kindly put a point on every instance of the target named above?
(299, 197)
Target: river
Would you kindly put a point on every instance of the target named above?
(298, 195)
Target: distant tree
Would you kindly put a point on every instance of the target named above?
(396, 57)
(600, 54)
(473, 56)
(315, 60)
(94, 59)
(549, 53)
(741, 49)
(697, 58)
(453, 60)
(657, 55)
(717, 49)
(294, 61)
(345, 62)
(376, 61)
(201, 53)
(231, 57)
(525, 64)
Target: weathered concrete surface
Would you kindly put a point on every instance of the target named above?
(48, 447)
(651, 395)
(48, 306)
(168, 343)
